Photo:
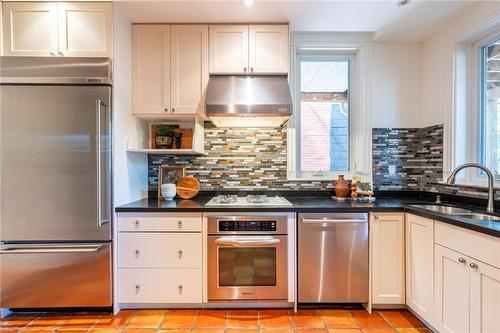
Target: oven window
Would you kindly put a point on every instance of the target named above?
(247, 266)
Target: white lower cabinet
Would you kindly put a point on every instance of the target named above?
(160, 258)
(420, 265)
(484, 297)
(387, 256)
(159, 286)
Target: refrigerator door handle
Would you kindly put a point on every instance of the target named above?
(98, 104)
(19, 249)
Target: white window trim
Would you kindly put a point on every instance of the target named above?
(467, 111)
(341, 44)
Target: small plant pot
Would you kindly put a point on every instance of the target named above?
(164, 142)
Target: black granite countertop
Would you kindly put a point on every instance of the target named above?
(320, 204)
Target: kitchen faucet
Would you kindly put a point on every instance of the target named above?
(491, 181)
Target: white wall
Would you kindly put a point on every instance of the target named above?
(394, 84)
(129, 170)
(442, 53)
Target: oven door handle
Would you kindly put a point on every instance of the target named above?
(246, 241)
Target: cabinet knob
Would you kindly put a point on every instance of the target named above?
(376, 217)
(173, 110)
(473, 265)
(52, 54)
(462, 260)
(180, 254)
(244, 69)
(180, 288)
(61, 54)
(179, 224)
(137, 252)
(251, 69)
(137, 286)
(137, 222)
(166, 109)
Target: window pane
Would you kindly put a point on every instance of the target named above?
(324, 115)
(490, 115)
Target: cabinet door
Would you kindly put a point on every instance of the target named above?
(85, 29)
(420, 265)
(151, 69)
(30, 28)
(189, 67)
(387, 244)
(228, 49)
(268, 49)
(484, 297)
(451, 297)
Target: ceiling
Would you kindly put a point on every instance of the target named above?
(390, 22)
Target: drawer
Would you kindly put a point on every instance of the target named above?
(159, 222)
(159, 250)
(471, 243)
(160, 286)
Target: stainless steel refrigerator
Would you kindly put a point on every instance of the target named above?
(55, 185)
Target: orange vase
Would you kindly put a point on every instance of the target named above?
(341, 187)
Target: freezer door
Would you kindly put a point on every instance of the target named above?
(56, 163)
(57, 275)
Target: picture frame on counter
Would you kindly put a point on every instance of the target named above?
(169, 174)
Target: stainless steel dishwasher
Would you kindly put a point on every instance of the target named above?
(333, 258)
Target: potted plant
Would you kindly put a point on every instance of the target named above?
(164, 136)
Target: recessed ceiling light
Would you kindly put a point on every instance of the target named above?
(403, 2)
(248, 3)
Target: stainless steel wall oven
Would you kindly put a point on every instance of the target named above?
(247, 257)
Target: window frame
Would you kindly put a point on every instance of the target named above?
(322, 55)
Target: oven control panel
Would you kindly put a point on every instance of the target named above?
(247, 225)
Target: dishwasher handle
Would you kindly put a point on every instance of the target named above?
(332, 221)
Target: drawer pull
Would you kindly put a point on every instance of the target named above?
(473, 265)
(462, 260)
(179, 224)
(137, 252)
(137, 287)
(137, 222)
(180, 254)
(180, 289)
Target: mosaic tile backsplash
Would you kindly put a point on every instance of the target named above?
(405, 159)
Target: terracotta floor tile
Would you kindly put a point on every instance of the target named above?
(274, 319)
(49, 320)
(344, 330)
(243, 319)
(367, 320)
(7, 330)
(307, 319)
(201, 330)
(241, 330)
(401, 319)
(82, 321)
(38, 330)
(278, 330)
(17, 320)
(179, 319)
(338, 319)
(104, 330)
(379, 330)
(211, 319)
(311, 330)
(139, 330)
(147, 319)
(413, 330)
(121, 319)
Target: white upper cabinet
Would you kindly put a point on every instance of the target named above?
(228, 49)
(420, 265)
(151, 69)
(387, 252)
(57, 29)
(30, 29)
(85, 29)
(243, 49)
(189, 67)
(170, 69)
(268, 49)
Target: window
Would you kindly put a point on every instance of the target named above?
(490, 106)
(323, 114)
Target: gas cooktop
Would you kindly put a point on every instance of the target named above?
(249, 200)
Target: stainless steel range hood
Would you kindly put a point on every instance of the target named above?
(248, 101)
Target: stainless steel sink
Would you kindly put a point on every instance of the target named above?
(445, 209)
(481, 217)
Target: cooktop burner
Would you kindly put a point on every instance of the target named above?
(249, 200)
